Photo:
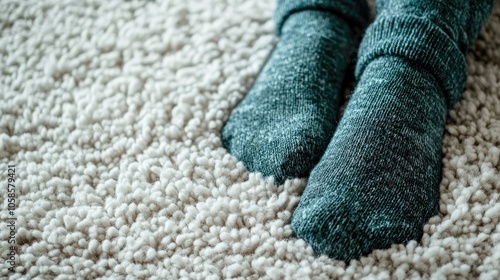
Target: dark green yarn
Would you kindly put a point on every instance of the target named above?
(355, 12)
(437, 34)
(377, 183)
(284, 124)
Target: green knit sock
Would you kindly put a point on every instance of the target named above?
(378, 182)
(284, 124)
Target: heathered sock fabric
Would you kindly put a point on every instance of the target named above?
(378, 181)
(286, 121)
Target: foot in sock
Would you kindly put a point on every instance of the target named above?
(378, 182)
(285, 123)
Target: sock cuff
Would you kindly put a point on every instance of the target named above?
(355, 12)
(419, 40)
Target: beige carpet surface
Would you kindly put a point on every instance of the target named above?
(111, 112)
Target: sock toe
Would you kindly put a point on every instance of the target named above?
(283, 125)
(336, 228)
(299, 161)
(281, 150)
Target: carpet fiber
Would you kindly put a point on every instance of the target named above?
(111, 113)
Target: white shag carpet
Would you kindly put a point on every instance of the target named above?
(111, 112)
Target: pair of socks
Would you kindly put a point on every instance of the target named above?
(374, 176)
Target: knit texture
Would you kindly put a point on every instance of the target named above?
(434, 33)
(111, 111)
(378, 182)
(418, 40)
(355, 12)
(286, 121)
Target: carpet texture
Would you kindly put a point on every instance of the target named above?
(111, 112)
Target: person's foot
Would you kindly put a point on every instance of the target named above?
(284, 124)
(377, 183)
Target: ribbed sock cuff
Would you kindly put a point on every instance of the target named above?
(355, 12)
(419, 40)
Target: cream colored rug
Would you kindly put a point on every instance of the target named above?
(111, 112)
